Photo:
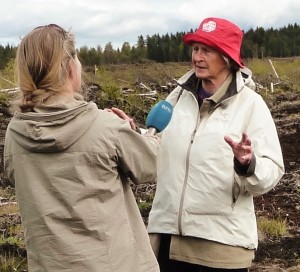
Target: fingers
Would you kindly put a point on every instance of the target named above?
(120, 113)
(123, 116)
(245, 139)
(242, 150)
(229, 141)
(132, 124)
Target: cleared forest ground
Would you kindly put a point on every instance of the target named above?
(274, 254)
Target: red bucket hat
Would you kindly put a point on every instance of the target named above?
(220, 34)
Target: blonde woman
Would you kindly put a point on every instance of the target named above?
(70, 163)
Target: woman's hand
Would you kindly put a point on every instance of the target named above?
(242, 150)
(123, 116)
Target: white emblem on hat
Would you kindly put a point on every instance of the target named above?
(209, 26)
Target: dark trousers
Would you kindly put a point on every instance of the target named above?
(168, 265)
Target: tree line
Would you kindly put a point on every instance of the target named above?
(257, 43)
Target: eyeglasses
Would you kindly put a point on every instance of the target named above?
(55, 27)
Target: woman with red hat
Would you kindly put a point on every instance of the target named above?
(220, 149)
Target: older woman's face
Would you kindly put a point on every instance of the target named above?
(209, 64)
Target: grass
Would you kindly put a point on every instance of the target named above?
(7, 192)
(288, 71)
(9, 208)
(272, 227)
(12, 241)
(11, 238)
(260, 67)
(7, 76)
(124, 74)
(12, 264)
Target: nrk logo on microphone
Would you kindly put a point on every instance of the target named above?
(166, 107)
(159, 116)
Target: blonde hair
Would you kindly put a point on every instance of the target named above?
(42, 64)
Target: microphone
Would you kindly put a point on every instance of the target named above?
(159, 117)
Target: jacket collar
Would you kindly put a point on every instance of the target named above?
(192, 85)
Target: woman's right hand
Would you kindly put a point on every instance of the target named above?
(242, 150)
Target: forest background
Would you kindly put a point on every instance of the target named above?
(257, 43)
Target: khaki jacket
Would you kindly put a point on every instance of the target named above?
(70, 165)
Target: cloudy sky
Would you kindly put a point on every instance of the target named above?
(97, 22)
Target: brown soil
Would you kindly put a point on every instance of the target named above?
(283, 202)
(283, 253)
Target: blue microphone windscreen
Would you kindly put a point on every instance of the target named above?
(159, 116)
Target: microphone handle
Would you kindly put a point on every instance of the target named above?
(152, 131)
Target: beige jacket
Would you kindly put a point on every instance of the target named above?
(199, 193)
(70, 166)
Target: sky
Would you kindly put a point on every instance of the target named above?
(97, 22)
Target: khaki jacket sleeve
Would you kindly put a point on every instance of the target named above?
(137, 155)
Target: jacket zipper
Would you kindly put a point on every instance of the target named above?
(186, 175)
(187, 166)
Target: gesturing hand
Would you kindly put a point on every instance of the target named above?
(242, 150)
(123, 116)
